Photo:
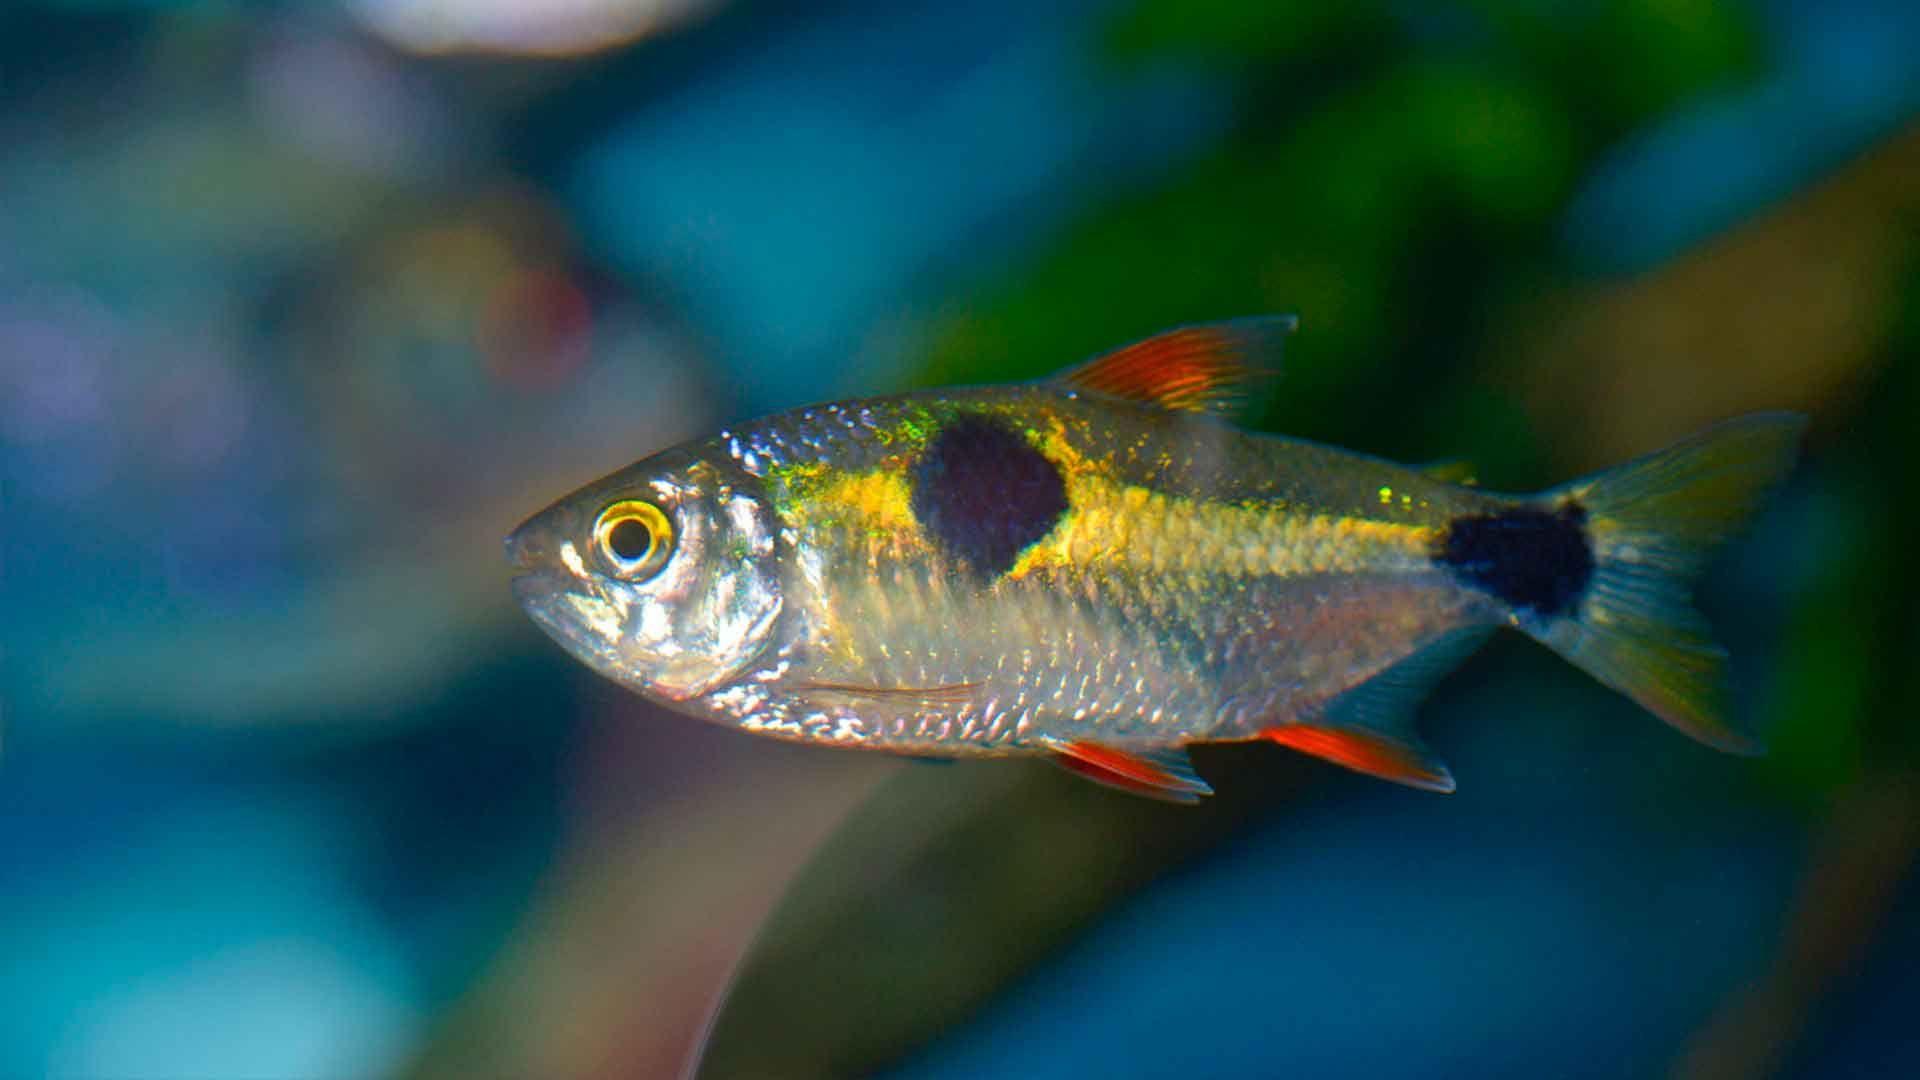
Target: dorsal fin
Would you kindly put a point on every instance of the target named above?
(1204, 368)
(1163, 773)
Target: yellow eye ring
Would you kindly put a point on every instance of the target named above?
(634, 538)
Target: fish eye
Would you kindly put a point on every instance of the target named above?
(634, 538)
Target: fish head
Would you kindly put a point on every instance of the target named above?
(663, 576)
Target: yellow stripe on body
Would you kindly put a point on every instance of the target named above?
(877, 502)
(1118, 525)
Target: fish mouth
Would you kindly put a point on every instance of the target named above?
(538, 582)
(537, 592)
(540, 594)
(531, 585)
(526, 549)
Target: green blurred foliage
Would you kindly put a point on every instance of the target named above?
(1620, 63)
(1820, 694)
(1342, 190)
(1845, 701)
(1228, 32)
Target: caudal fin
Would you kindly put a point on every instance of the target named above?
(1652, 523)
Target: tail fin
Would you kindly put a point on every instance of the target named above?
(1652, 524)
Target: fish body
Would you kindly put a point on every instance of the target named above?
(1099, 567)
(1185, 581)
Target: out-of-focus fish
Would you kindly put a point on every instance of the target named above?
(1100, 568)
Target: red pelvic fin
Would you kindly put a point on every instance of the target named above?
(1162, 773)
(1203, 368)
(1367, 751)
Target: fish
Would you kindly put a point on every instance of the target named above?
(1102, 569)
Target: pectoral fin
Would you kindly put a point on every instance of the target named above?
(1163, 773)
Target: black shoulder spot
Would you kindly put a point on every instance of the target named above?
(1537, 560)
(985, 494)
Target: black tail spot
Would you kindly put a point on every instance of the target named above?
(985, 494)
(1536, 560)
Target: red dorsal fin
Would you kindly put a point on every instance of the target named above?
(1206, 368)
(1367, 751)
(1161, 773)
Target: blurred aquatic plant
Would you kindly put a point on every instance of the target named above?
(1397, 180)
(1845, 705)
(294, 323)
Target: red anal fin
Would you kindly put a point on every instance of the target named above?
(1368, 752)
(1202, 368)
(1161, 773)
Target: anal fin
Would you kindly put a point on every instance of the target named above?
(1163, 773)
(1370, 728)
(1369, 752)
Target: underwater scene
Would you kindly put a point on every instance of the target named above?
(607, 538)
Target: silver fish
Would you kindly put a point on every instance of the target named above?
(1100, 568)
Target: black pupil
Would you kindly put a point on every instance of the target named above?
(629, 539)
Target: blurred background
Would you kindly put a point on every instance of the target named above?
(303, 306)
